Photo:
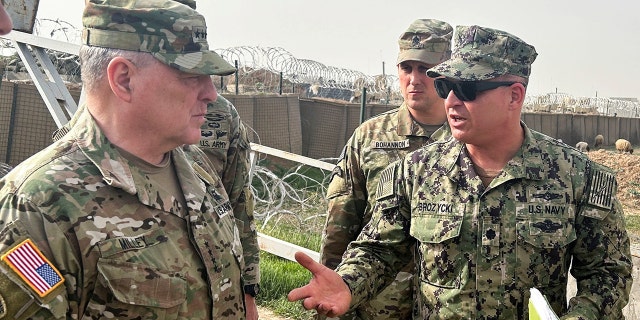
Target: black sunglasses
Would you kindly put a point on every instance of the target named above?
(466, 90)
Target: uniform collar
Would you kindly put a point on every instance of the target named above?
(407, 126)
(526, 163)
(119, 173)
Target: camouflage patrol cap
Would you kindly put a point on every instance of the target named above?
(171, 31)
(427, 41)
(190, 3)
(482, 53)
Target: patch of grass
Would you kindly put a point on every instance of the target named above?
(278, 277)
(632, 223)
(297, 175)
(634, 189)
(312, 177)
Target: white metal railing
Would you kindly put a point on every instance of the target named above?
(270, 244)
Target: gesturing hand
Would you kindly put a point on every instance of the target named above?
(326, 292)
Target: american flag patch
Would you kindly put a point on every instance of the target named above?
(602, 186)
(386, 183)
(33, 267)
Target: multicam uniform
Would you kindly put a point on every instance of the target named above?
(225, 142)
(351, 194)
(479, 250)
(121, 244)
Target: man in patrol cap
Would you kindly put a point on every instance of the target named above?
(494, 211)
(116, 219)
(378, 142)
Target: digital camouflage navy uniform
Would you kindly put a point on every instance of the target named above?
(119, 242)
(226, 143)
(480, 249)
(85, 234)
(373, 146)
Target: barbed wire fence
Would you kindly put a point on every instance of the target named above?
(4, 169)
(295, 196)
(275, 70)
(565, 103)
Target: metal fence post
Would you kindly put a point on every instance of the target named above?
(363, 104)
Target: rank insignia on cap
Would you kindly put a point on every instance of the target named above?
(199, 34)
(415, 42)
(33, 267)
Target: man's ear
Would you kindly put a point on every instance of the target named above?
(518, 92)
(119, 72)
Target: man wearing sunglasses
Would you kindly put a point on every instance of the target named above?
(378, 142)
(493, 211)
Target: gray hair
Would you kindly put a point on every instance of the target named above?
(94, 62)
(511, 77)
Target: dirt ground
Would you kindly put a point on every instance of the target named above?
(266, 314)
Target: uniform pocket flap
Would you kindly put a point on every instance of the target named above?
(435, 228)
(545, 232)
(139, 284)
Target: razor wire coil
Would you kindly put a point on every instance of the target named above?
(275, 70)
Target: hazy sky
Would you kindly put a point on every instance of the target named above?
(585, 47)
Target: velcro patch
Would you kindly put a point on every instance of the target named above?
(223, 209)
(601, 191)
(386, 184)
(402, 144)
(33, 267)
(3, 307)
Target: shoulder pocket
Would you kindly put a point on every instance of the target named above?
(338, 185)
(17, 302)
(546, 225)
(17, 299)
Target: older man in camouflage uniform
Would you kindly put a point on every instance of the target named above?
(116, 219)
(378, 142)
(225, 142)
(494, 211)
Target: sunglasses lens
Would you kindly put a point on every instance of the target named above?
(442, 88)
(465, 91)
